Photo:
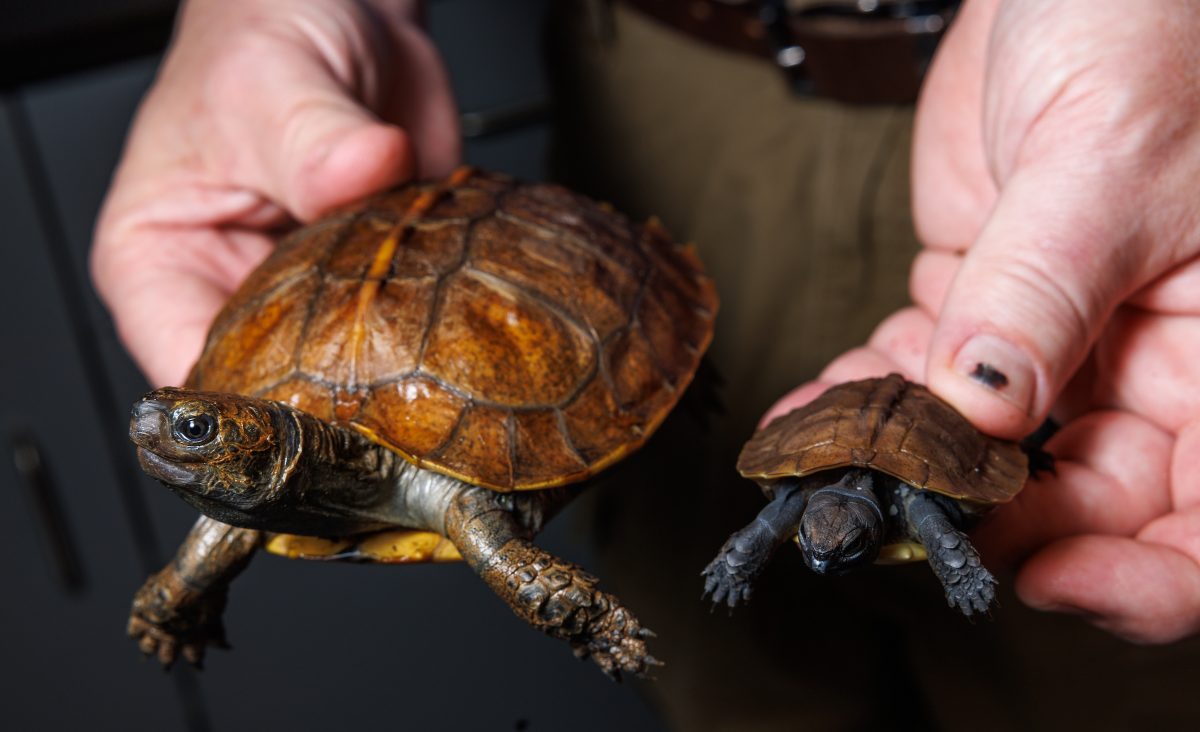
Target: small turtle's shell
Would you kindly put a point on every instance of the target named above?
(894, 426)
(512, 335)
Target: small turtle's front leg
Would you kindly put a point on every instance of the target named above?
(551, 594)
(730, 576)
(969, 586)
(178, 610)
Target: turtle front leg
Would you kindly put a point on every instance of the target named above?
(969, 586)
(730, 577)
(178, 610)
(551, 594)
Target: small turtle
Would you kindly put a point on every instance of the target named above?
(874, 470)
(427, 376)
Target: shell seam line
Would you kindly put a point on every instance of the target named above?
(310, 310)
(572, 237)
(439, 292)
(381, 263)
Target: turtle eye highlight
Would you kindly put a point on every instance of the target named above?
(195, 429)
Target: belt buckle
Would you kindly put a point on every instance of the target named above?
(869, 52)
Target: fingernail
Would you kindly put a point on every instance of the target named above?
(1000, 367)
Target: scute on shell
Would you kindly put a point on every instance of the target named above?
(514, 335)
(897, 427)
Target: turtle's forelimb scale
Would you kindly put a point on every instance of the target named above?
(551, 594)
(178, 610)
(969, 586)
(729, 578)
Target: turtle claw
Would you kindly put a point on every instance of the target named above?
(729, 578)
(167, 625)
(563, 600)
(155, 642)
(616, 645)
(615, 661)
(970, 587)
(725, 584)
(973, 593)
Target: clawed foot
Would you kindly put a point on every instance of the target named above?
(564, 601)
(974, 593)
(618, 645)
(969, 586)
(729, 578)
(155, 640)
(168, 622)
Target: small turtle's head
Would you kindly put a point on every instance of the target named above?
(842, 526)
(210, 447)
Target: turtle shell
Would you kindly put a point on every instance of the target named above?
(896, 427)
(513, 335)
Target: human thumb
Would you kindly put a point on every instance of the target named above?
(306, 140)
(1054, 258)
(306, 105)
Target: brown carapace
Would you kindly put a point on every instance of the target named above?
(513, 335)
(896, 427)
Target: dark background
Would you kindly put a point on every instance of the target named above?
(317, 646)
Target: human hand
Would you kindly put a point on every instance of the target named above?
(264, 112)
(1055, 158)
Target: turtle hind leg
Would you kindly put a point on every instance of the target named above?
(729, 578)
(559, 598)
(1040, 461)
(969, 586)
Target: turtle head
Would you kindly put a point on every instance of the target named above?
(210, 447)
(842, 526)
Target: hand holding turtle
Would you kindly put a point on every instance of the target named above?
(1055, 157)
(262, 111)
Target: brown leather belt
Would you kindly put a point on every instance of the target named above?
(864, 52)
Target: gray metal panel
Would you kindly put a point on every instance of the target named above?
(493, 51)
(64, 660)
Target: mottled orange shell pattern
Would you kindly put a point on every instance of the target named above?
(894, 426)
(513, 335)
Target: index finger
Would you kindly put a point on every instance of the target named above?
(1111, 478)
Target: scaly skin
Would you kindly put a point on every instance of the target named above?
(177, 612)
(969, 586)
(559, 598)
(729, 578)
(562, 600)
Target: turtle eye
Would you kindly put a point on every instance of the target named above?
(195, 429)
(856, 545)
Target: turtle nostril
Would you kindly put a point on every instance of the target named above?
(145, 406)
(145, 420)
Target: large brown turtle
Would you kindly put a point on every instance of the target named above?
(420, 378)
(873, 470)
